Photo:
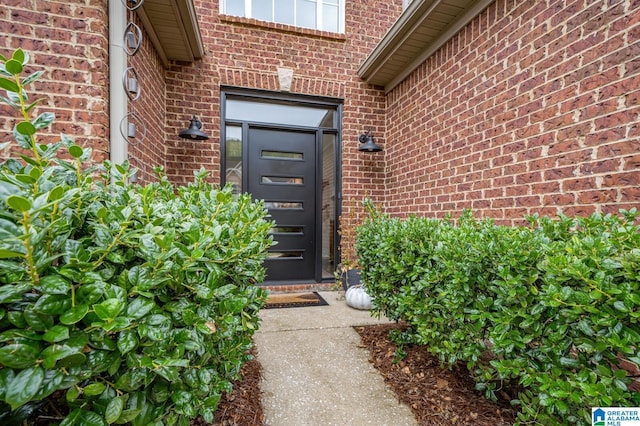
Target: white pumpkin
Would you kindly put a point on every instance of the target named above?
(358, 298)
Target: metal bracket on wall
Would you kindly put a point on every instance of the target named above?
(132, 4)
(132, 39)
(131, 84)
(129, 128)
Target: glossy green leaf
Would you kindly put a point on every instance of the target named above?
(32, 77)
(13, 293)
(127, 341)
(26, 128)
(43, 120)
(131, 380)
(19, 355)
(128, 415)
(20, 56)
(19, 203)
(53, 304)
(89, 418)
(13, 66)
(9, 85)
(24, 386)
(72, 393)
(76, 151)
(139, 307)
(114, 410)
(54, 284)
(94, 389)
(74, 314)
(109, 309)
(56, 334)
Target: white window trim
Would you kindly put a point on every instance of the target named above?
(319, 4)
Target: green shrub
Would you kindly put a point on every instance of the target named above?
(138, 302)
(549, 308)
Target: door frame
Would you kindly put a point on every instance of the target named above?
(265, 96)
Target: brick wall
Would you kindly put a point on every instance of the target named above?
(532, 108)
(69, 41)
(147, 153)
(247, 53)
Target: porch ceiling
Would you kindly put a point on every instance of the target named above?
(418, 33)
(172, 26)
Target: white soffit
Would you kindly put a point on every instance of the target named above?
(417, 34)
(172, 26)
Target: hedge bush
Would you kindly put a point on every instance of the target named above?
(138, 303)
(550, 308)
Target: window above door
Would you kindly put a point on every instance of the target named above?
(323, 15)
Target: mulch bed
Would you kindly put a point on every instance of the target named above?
(437, 396)
(243, 406)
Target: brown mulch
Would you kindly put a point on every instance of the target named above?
(242, 407)
(436, 395)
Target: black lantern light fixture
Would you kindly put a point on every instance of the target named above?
(367, 143)
(194, 132)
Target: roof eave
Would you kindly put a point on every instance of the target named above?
(172, 27)
(376, 68)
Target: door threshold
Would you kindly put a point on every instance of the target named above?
(297, 287)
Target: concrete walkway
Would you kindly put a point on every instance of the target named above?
(315, 373)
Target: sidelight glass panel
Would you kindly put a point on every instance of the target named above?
(328, 204)
(233, 157)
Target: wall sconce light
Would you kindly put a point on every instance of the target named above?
(368, 145)
(194, 132)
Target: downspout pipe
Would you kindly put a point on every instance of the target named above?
(117, 66)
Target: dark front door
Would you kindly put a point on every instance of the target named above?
(282, 172)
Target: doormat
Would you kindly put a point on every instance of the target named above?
(294, 300)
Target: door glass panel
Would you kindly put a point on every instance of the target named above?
(328, 204)
(282, 180)
(291, 254)
(282, 205)
(233, 157)
(286, 230)
(294, 115)
(280, 155)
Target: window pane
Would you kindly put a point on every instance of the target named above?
(280, 114)
(306, 13)
(330, 18)
(234, 7)
(328, 204)
(261, 9)
(233, 157)
(284, 11)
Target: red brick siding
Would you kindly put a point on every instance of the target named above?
(247, 53)
(69, 41)
(532, 108)
(147, 153)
